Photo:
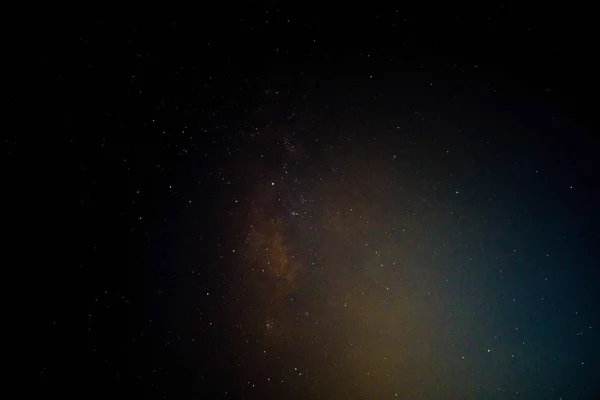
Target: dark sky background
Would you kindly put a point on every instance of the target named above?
(265, 201)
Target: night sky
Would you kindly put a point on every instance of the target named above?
(265, 201)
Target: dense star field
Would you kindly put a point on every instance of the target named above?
(265, 203)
